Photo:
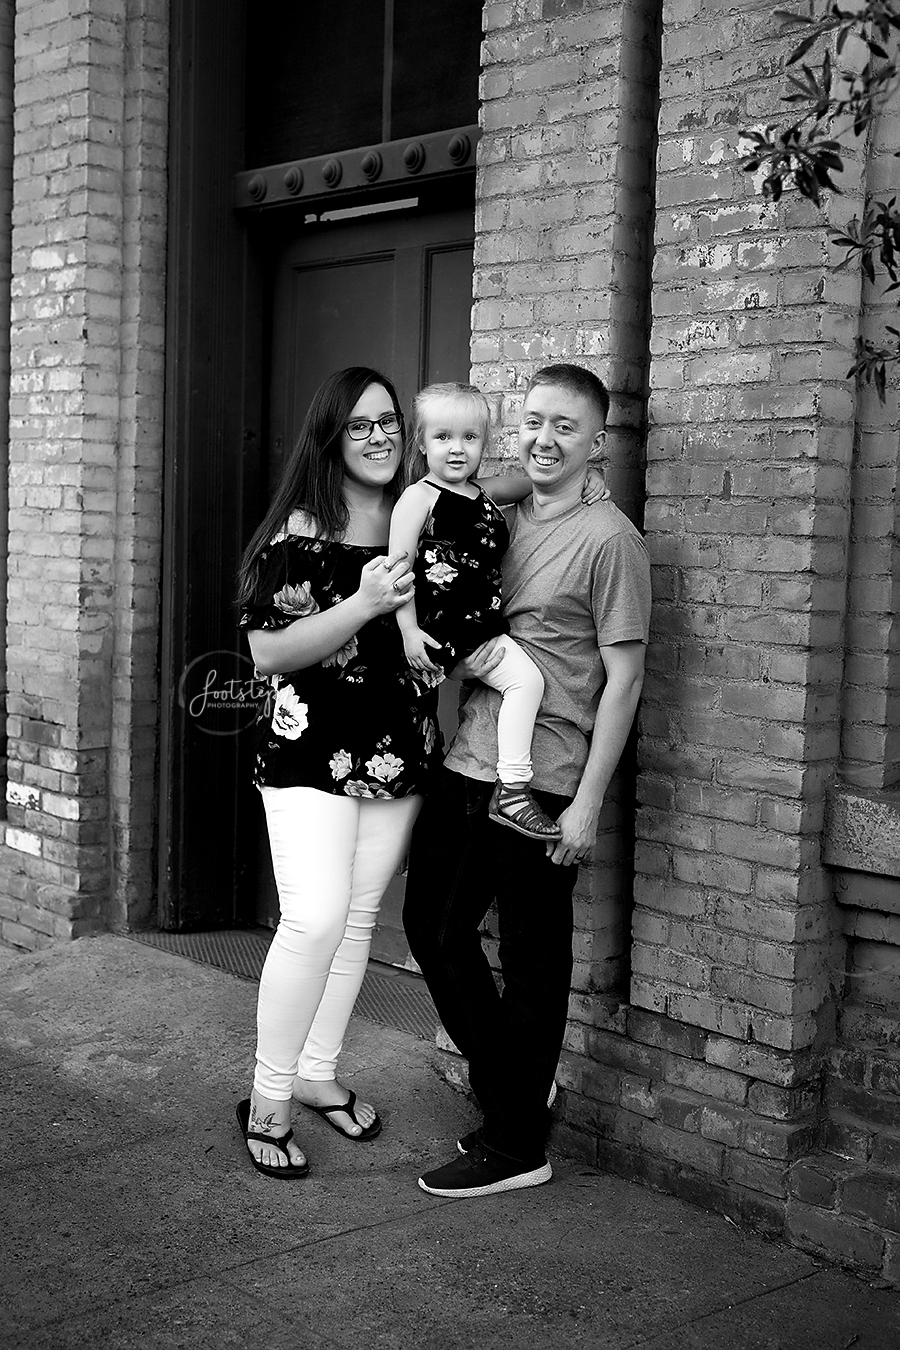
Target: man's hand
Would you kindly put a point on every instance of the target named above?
(483, 660)
(624, 665)
(579, 831)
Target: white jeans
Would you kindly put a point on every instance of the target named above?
(333, 858)
(520, 682)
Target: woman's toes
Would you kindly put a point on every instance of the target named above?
(273, 1157)
(365, 1114)
(346, 1122)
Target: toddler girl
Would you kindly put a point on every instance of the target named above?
(452, 524)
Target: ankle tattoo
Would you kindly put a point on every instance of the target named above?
(262, 1124)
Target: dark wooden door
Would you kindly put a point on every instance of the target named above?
(389, 290)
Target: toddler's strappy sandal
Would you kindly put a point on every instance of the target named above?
(281, 1143)
(529, 819)
(367, 1131)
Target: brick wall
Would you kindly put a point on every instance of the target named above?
(7, 38)
(712, 1082)
(561, 273)
(870, 738)
(88, 280)
(738, 949)
(747, 520)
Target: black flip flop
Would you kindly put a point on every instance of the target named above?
(281, 1143)
(368, 1131)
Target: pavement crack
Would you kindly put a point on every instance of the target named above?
(714, 1312)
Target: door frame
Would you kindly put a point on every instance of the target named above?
(213, 423)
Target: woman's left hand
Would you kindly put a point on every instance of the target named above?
(595, 489)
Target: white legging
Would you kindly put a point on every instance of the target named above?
(333, 858)
(521, 684)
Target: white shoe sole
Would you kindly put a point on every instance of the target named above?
(516, 1183)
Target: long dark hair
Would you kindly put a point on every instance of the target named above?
(314, 474)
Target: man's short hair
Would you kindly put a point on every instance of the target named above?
(578, 381)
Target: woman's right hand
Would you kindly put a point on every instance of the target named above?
(385, 584)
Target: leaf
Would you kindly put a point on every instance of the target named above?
(803, 48)
(788, 16)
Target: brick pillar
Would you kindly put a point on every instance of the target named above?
(7, 38)
(870, 738)
(747, 518)
(85, 463)
(562, 274)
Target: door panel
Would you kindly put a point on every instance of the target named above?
(449, 313)
(395, 294)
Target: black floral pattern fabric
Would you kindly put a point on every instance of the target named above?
(458, 575)
(355, 724)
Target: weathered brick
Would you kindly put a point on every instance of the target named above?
(617, 1052)
(690, 1150)
(815, 1182)
(778, 1139)
(713, 1082)
(724, 1124)
(873, 1198)
(666, 1034)
(679, 1108)
(836, 1236)
(757, 1174)
(755, 1061)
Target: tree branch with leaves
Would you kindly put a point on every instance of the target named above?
(808, 152)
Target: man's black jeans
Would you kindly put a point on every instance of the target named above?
(460, 861)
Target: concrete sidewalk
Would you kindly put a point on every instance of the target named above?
(131, 1217)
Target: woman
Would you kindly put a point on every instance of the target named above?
(344, 748)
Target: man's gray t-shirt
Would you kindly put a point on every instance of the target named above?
(571, 584)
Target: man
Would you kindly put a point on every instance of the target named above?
(576, 587)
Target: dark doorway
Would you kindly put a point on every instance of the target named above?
(376, 282)
(391, 290)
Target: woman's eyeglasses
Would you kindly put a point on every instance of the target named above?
(360, 429)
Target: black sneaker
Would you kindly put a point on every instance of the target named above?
(468, 1141)
(481, 1171)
